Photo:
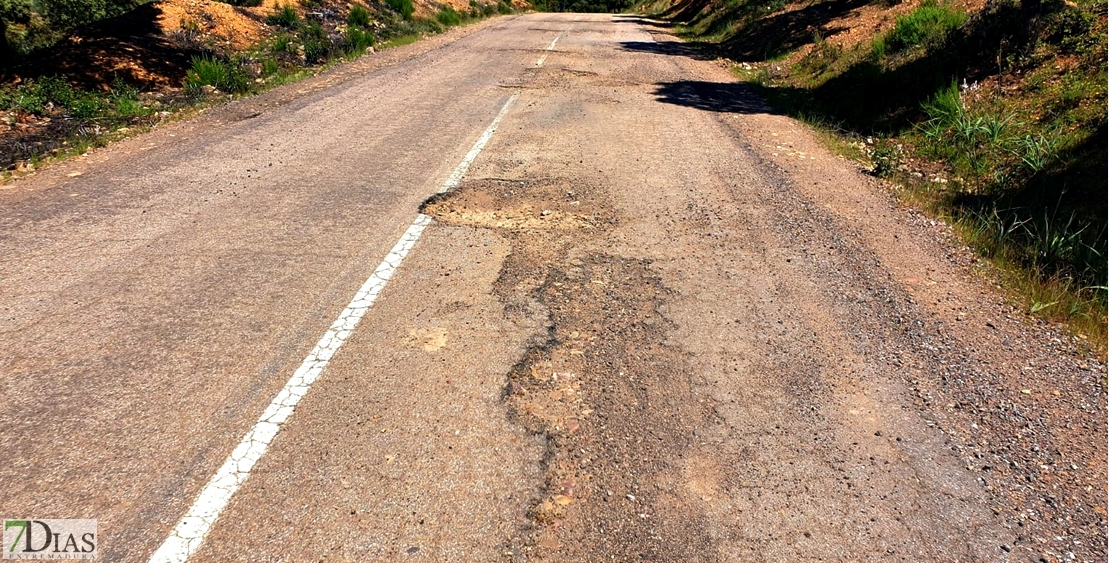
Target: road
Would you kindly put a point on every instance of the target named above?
(650, 319)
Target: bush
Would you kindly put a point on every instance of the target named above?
(286, 17)
(317, 45)
(1069, 29)
(448, 16)
(403, 7)
(270, 67)
(356, 40)
(222, 75)
(927, 26)
(68, 14)
(34, 96)
(52, 93)
(504, 7)
(282, 43)
(124, 99)
(87, 105)
(359, 16)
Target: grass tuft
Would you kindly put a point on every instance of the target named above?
(286, 17)
(927, 26)
(226, 76)
(359, 16)
(403, 7)
(448, 16)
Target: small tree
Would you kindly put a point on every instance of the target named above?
(67, 14)
(11, 11)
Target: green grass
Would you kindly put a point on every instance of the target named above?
(403, 7)
(448, 16)
(402, 40)
(53, 95)
(286, 17)
(226, 76)
(927, 26)
(359, 16)
(357, 40)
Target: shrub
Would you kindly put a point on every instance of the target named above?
(945, 106)
(286, 17)
(54, 93)
(448, 16)
(504, 7)
(356, 40)
(124, 99)
(270, 67)
(886, 157)
(403, 7)
(359, 16)
(222, 75)
(927, 26)
(282, 43)
(34, 96)
(317, 45)
(1069, 29)
(56, 90)
(87, 105)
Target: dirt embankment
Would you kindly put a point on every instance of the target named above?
(152, 46)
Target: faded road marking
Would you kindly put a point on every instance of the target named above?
(550, 47)
(456, 176)
(191, 530)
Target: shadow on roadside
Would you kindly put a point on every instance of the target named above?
(723, 97)
(670, 48)
(641, 20)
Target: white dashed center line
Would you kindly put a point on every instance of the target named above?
(550, 47)
(191, 530)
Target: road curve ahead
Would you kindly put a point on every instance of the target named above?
(647, 319)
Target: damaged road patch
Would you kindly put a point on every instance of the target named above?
(611, 397)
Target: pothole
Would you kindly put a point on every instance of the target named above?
(600, 385)
(516, 206)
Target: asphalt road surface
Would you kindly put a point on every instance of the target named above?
(649, 319)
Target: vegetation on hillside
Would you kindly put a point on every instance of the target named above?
(593, 6)
(45, 115)
(994, 120)
(26, 25)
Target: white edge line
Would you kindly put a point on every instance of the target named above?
(190, 531)
(456, 176)
(550, 47)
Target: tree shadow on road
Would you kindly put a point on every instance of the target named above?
(671, 48)
(641, 20)
(722, 97)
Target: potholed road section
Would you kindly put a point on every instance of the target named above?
(648, 318)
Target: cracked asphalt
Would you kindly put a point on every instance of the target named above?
(655, 320)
